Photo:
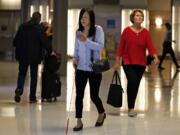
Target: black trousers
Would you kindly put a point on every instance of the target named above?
(133, 74)
(81, 79)
(23, 67)
(168, 49)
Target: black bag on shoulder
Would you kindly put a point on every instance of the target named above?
(115, 95)
(100, 65)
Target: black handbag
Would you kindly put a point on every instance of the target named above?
(149, 59)
(115, 95)
(100, 65)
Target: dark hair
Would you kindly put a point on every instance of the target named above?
(92, 21)
(133, 14)
(168, 26)
(36, 17)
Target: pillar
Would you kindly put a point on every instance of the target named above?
(60, 32)
(25, 7)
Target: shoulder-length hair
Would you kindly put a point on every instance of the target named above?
(133, 14)
(92, 21)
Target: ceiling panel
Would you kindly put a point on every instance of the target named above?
(111, 2)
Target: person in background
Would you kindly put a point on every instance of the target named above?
(88, 37)
(29, 42)
(134, 42)
(47, 29)
(167, 47)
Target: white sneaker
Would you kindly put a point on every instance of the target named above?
(132, 113)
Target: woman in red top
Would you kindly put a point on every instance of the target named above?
(132, 49)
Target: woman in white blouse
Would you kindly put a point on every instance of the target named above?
(89, 37)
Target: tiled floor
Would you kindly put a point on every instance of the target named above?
(158, 106)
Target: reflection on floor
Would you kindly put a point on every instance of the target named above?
(158, 106)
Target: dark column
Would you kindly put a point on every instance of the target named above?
(60, 32)
(25, 10)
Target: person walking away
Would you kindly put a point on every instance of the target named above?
(29, 42)
(167, 47)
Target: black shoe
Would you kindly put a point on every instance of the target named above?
(18, 93)
(78, 128)
(17, 98)
(32, 101)
(55, 99)
(42, 100)
(49, 100)
(98, 124)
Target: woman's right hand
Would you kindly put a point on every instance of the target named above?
(81, 36)
(74, 63)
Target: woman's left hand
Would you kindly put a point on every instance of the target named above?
(156, 60)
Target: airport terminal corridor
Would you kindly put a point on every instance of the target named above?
(157, 104)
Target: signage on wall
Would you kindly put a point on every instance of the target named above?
(111, 23)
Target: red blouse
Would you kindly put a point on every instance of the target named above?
(132, 47)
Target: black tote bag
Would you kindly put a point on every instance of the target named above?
(115, 91)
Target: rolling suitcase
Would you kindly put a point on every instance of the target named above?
(52, 63)
(51, 86)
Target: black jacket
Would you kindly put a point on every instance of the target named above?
(29, 42)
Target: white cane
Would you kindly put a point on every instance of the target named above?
(73, 87)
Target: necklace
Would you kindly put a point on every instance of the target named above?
(86, 32)
(136, 30)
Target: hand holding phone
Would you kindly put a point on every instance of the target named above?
(81, 36)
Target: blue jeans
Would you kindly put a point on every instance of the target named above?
(23, 67)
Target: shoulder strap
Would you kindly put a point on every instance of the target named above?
(117, 79)
(92, 52)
